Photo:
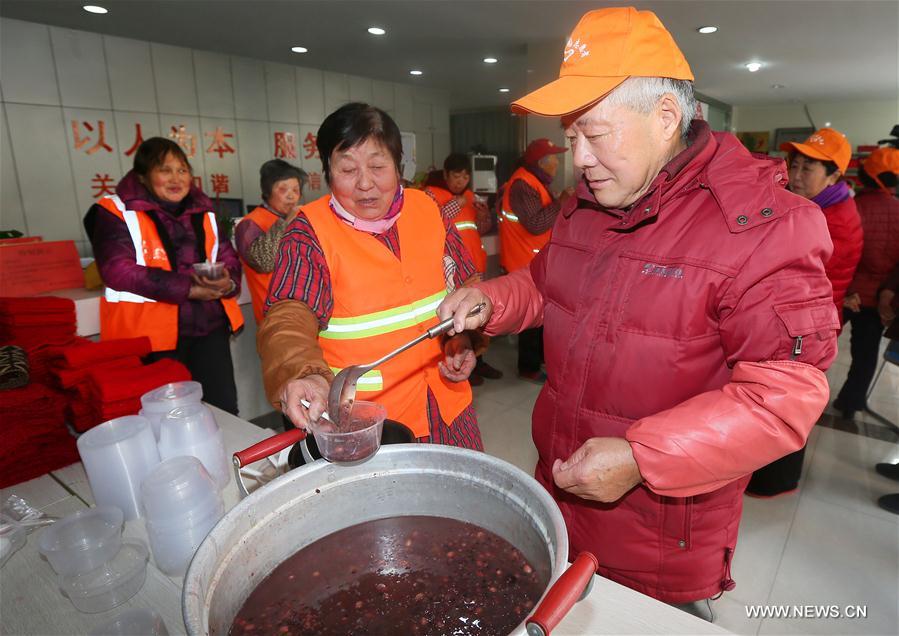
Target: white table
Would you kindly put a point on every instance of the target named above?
(31, 603)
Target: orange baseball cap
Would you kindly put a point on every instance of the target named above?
(606, 47)
(879, 161)
(826, 144)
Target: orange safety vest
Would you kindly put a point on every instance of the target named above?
(126, 315)
(381, 302)
(258, 281)
(517, 246)
(466, 224)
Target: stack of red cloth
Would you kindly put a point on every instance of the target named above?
(35, 437)
(116, 391)
(39, 320)
(39, 325)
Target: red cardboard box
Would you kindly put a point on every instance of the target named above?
(28, 269)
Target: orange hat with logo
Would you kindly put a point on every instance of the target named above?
(826, 144)
(606, 47)
(880, 161)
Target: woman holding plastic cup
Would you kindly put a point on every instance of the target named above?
(359, 272)
(188, 312)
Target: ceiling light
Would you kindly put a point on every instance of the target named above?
(827, 124)
(504, 90)
(752, 67)
(705, 30)
(490, 60)
(414, 71)
(377, 31)
(775, 86)
(299, 49)
(93, 8)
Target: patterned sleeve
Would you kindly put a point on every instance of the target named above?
(457, 254)
(534, 216)
(448, 210)
(301, 271)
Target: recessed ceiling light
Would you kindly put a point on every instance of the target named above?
(827, 124)
(504, 90)
(299, 49)
(490, 60)
(775, 86)
(93, 8)
(414, 71)
(707, 29)
(377, 31)
(752, 67)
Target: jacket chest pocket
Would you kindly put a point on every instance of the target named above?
(673, 298)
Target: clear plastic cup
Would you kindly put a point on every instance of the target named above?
(83, 540)
(117, 455)
(357, 439)
(212, 271)
(174, 548)
(133, 622)
(112, 583)
(158, 402)
(192, 430)
(176, 489)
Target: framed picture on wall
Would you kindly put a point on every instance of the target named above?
(783, 135)
(755, 141)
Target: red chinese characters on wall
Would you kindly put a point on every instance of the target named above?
(82, 141)
(220, 183)
(309, 146)
(285, 145)
(103, 185)
(138, 140)
(219, 142)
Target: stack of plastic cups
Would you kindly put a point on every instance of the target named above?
(192, 430)
(181, 503)
(117, 455)
(158, 402)
(97, 570)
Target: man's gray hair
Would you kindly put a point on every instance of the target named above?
(641, 94)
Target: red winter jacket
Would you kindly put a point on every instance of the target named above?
(879, 212)
(845, 229)
(697, 326)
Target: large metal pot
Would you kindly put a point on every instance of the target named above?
(318, 499)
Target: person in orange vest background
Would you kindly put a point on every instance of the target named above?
(459, 205)
(155, 291)
(360, 272)
(258, 233)
(526, 212)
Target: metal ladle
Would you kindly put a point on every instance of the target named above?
(343, 388)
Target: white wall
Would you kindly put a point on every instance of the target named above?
(52, 79)
(863, 122)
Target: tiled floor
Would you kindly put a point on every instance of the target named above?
(827, 544)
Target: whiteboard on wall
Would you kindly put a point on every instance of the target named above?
(409, 160)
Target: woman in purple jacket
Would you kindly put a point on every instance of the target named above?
(160, 187)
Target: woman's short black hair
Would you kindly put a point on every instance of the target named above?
(351, 125)
(829, 166)
(152, 153)
(888, 179)
(275, 170)
(456, 162)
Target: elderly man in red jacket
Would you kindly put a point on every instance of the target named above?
(688, 319)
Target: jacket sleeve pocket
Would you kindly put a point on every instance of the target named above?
(809, 330)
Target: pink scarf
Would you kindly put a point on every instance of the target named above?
(375, 227)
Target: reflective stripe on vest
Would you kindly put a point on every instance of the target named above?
(369, 381)
(466, 225)
(382, 322)
(509, 216)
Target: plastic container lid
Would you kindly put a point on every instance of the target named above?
(111, 584)
(170, 396)
(133, 622)
(83, 540)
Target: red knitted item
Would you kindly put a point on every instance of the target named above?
(35, 305)
(68, 378)
(114, 385)
(81, 356)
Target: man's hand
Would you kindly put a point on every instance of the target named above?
(459, 303)
(603, 469)
(460, 358)
(853, 302)
(314, 389)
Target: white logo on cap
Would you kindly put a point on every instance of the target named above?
(575, 47)
(816, 139)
